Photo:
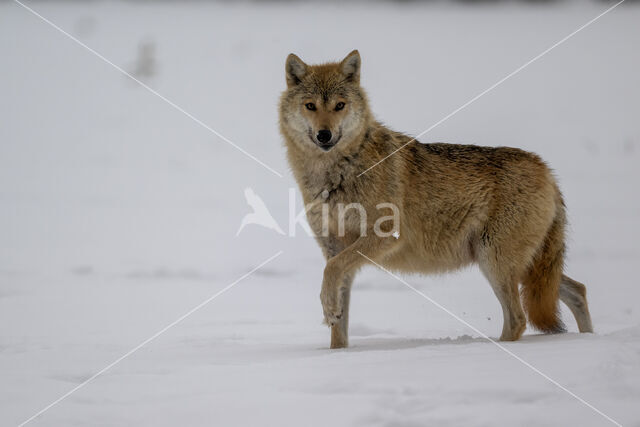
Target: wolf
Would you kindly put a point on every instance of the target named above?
(497, 207)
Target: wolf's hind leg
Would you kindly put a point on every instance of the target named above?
(574, 295)
(505, 286)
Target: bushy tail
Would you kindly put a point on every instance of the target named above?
(541, 284)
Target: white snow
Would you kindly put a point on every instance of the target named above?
(118, 215)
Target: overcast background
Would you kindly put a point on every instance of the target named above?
(118, 214)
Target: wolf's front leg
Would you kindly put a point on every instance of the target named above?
(340, 330)
(333, 293)
(336, 283)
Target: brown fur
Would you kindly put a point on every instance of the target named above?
(458, 204)
(541, 284)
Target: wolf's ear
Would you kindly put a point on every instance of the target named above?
(295, 70)
(350, 67)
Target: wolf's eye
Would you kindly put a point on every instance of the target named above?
(310, 106)
(339, 106)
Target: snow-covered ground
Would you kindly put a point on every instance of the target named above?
(118, 214)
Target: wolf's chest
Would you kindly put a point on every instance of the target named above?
(336, 211)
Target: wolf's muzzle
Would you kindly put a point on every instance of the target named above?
(325, 140)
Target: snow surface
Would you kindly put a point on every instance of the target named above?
(118, 214)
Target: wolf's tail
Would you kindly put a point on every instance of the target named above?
(541, 283)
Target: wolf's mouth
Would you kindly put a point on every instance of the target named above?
(329, 145)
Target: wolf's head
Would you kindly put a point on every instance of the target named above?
(323, 105)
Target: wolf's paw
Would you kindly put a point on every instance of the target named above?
(513, 330)
(331, 305)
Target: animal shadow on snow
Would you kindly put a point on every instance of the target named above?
(403, 343)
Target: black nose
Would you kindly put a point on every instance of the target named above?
(324, 135)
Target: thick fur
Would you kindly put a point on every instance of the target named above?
(458, 204)
(541, 284)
